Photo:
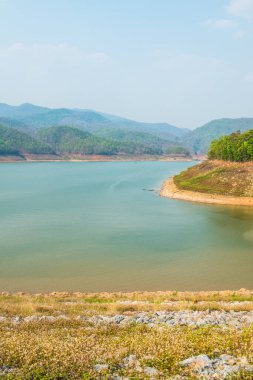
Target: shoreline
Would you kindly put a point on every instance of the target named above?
(171, 294)
(95, 158)
(170, 190)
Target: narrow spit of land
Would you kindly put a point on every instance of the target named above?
(141, 335)
(216, 182)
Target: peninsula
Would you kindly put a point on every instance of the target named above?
(226, 178)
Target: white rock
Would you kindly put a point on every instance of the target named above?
(199, 362)
(151, 371)
(31, 318)
(101, 367)
(131, 362)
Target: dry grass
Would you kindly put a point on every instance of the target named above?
(69, 349)
(73, 304)
(218, 177)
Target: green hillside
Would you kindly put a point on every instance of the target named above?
(16, 124)
(65, 139)
(145, 139)
(236, 147)
(117, 134)
(35, 117)
(63, 116)
(16, 142)
(199, 140)
(218, 177)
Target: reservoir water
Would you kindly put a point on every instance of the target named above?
(98, 227)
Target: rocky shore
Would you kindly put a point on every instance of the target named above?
(207, 317)
(220, 366)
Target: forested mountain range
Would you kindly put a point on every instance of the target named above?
(36, 117)
(84, 131)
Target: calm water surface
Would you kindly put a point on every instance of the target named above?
(92, 227)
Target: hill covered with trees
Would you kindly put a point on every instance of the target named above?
(226, 178)
(236, 147)
(14, 142)
(198, 140)
(121, 134)
(65, 139)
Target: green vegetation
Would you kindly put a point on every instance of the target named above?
(147, 140)
(177, 150)
(92, 133)
(74, 304)
(131, 137)
(235, 147)
(65, 139)
(69, 349)
(13, 142)
(213, 177)
(199, 140)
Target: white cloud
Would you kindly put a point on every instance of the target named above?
(222, 24)
(57, 51)
(249, 77)
(240, 34)
(243, 8)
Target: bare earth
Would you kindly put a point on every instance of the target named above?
(170, 190)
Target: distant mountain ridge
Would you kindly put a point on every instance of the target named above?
(36, 117)
(159, 138)
(198, 141)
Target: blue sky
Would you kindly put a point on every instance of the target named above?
(180, 61)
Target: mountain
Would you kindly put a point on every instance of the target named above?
(13, 123)
(22, 111)
(144, 138)
(35, 117)
(199, 140)
(119, 133)
(86, 120)
(69, 140)
(14, 142)
(164, 130)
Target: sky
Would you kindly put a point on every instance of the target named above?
(184, 62)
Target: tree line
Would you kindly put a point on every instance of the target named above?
(237, 147)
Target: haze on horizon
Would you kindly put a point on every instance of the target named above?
(182, 62)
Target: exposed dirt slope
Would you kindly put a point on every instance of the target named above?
(213, 182)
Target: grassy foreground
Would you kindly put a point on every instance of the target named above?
(69, 348)
(218, 177)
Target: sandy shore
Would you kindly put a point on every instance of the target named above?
(170, 190)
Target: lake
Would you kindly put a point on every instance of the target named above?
(97, 227)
